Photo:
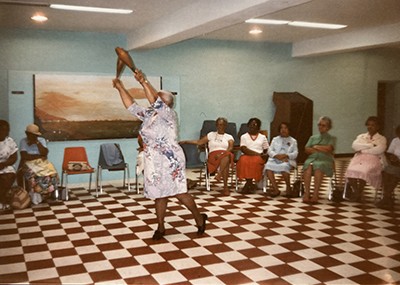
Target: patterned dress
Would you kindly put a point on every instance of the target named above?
(164, 159)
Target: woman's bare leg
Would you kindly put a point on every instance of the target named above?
(161, 208)
(224, 172)
(318, 176)
(286, 177)
(307, 183)
(271, 178)
(187, 200)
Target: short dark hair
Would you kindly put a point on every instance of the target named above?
(4, 124)
(257, 120)
(374, 119)
(283, 123)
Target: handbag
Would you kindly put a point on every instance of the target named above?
(336, 191)
(297, 189)
(20, 198)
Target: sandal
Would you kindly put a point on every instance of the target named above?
(201, 229)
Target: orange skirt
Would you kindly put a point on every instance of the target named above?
(215, 157)
(250, 167)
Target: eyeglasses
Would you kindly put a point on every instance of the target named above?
(322, 125)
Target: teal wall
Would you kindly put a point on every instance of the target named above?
(213, 78)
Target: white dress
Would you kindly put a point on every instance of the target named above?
(282, 145)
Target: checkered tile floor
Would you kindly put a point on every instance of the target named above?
(250, 239)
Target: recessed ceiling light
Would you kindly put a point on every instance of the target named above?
(90, 9)
(255, 31)
(39, 18)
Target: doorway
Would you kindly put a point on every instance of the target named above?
(388, 107)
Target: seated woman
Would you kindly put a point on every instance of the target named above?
(320, 159)
(282, 157)
(220, 157)
(391, 173)
(39, 174)
(254, 146)
(367, 163)
(8, 156)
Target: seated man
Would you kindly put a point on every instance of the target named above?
(39, 173)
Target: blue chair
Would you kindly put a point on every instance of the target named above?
(111, 159)
(193, 160)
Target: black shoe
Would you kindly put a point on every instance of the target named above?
(201, 229)
(275, 194)
(158, 235)
(385, 204)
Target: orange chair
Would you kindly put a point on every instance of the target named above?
(75, 162)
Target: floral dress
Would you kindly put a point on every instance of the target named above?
(164, 159)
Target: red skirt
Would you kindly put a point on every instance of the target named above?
(250, 167)
(214, 159)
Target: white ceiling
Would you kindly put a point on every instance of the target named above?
(156, 23)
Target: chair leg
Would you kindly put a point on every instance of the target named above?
(90, 182)
(66, 187)
(128, 177)
(97, 181)
(136, 182)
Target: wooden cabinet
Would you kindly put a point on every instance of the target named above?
(297, 110)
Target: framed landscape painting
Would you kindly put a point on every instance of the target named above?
(85, 107)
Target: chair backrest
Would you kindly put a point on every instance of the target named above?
(231, 129)
(208, 126)
(192, 155)
(77, 153)
(243, 129)
(110, 154)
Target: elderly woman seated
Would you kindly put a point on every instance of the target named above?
(39, 174)
(320, 160)
(282, 157)
(220, 146)
(8, 156)
(367, 163)
(391, 173)
(254, 146)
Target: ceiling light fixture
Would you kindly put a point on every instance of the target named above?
(267, 22)
(39, 18)
(316, 25)
(90, 9)
(296, 23)
(255, 31)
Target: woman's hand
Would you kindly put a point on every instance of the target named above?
(117, 84)
(139, 76)
(282, 157)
